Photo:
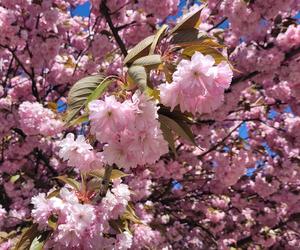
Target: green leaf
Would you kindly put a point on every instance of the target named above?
(177, 127)
(139, 75)
(139, 50)
(99, 90)
(130, 215)
(37, 244)
(53, 193)
(176, 114)
(149, 62)
(73, 183)
(188, 37)
(153, 93)
(27, 237)
(3, 235)
(206, 50)
(117, 174)
(187, 130)
(157, 38)
(14, 178)
(94, 184)
(52, 222)
(99, 173)
(211, 43)
(191, 21)
(79, 120)
(79, 93)
(168, 136)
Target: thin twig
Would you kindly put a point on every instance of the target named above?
(219, 143)
(217, 25)
(31, 75)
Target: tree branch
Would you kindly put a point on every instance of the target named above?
(288, 56)
(105, 12)
(217, 25)
(31, 76)
(39, 155)
(219, 143)
(242, 242)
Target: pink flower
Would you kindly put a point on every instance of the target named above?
(2, 215)
(42, 209)
(160, 9)
(223, 75)
(198, 85)
(109, 116)
(289, 39)
(124, 241)
(116, 200)
(145, 236)
(78, 152)
(35, 119)
(214, 215)
(79, 219)
(128, 128)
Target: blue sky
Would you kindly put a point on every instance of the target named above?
(82, 10)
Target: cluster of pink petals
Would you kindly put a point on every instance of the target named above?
(146, 236)
(289, 39)
(2, 215)
(35, 119)
(82, 225)
(7, 18)
(198, 85)
(116, 200)
(130, 130)
(160, 9)
(78, 153)
(7, 245)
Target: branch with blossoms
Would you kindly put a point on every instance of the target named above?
(136, 114)
(26, 71)
(103, 120)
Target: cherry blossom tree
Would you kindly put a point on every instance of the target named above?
(148, 125)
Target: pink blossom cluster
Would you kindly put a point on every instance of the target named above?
(76, 221)
(160, 9)
(130, 130)
(290, 38)
(145, 236)
(198, 85)
(7, 18)
(240, 190)
(79, 153)
(35, 119)
(252, 20)
(135, 33)
(2, 215)
(264, 60)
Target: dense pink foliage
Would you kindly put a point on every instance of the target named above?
(35, 119)
(120, 185)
